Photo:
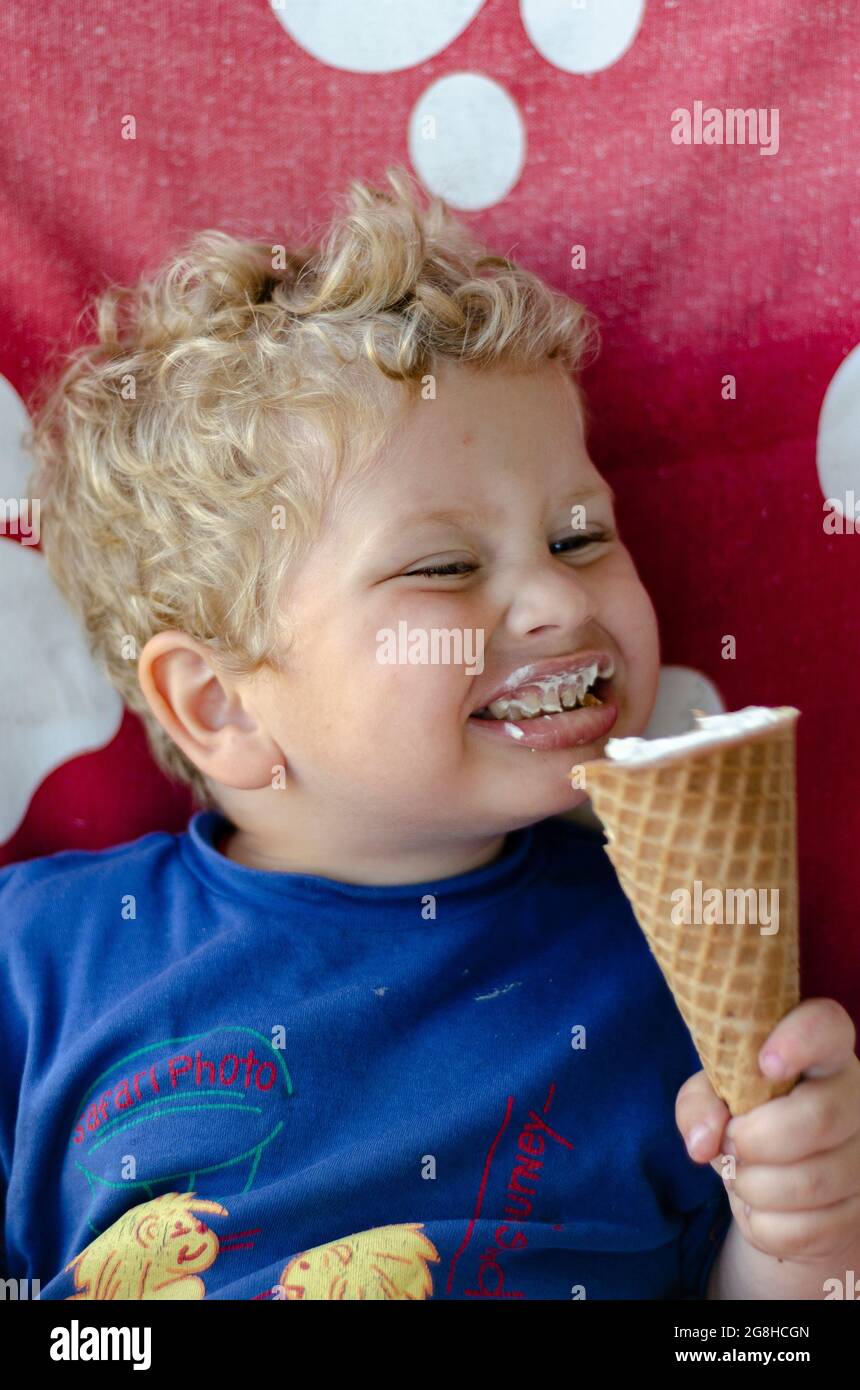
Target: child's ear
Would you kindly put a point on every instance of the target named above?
(203, 712)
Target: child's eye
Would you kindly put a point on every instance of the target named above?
(574, 543)
(455, 567)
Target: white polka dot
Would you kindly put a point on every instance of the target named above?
(467, 140)
(837, 452)
(385, 36)
(15, 465)
(586, 38)
(681, 690)
(52, 694)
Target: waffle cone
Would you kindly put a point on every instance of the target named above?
(723, 816)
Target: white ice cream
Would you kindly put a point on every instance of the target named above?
(712, 729)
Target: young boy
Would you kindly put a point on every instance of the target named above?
(379, 1024)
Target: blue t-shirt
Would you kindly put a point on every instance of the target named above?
(223, 1082)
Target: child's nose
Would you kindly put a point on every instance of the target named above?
(546, 595)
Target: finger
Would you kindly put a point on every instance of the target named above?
(829, 1231)
(701, 1117)
(817, 1115)
(818, 1181)
(815, 1039)
(725, 1166)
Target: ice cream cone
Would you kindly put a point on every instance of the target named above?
(720, 815)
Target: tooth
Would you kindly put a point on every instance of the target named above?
(551, 695)
(585, 678)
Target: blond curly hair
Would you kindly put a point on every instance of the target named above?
(185, 459)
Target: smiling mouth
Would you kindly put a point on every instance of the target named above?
(573, 690)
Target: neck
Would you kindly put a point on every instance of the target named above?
(261, 843)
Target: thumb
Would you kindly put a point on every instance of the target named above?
(701, 1117)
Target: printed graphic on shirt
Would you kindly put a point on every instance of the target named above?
(512, 1180)
(180, 1112)
(388, 1263)
(158, 1250)
(391, 1262)
(162, 1108)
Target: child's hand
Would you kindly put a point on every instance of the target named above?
(796, 1193)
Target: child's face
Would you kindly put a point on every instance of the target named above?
(396, 748)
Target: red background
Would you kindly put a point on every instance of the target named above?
(702, 261)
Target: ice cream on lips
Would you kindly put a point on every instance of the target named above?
(563, 690)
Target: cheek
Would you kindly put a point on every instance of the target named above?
(643, 626)
(643, 676)
(417, 669)
(420, 697)
(347, 698)
(631, 619)
(630, 609)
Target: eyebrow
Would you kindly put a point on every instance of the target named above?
(463, 517)
(454, 517)
(603, 491)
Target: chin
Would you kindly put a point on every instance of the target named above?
(530, 810)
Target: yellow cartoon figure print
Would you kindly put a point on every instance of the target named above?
(154, 1251)
(387, 1262)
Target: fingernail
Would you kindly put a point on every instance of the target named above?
(697, 1137)
(772, 1065)
(729, 1148)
